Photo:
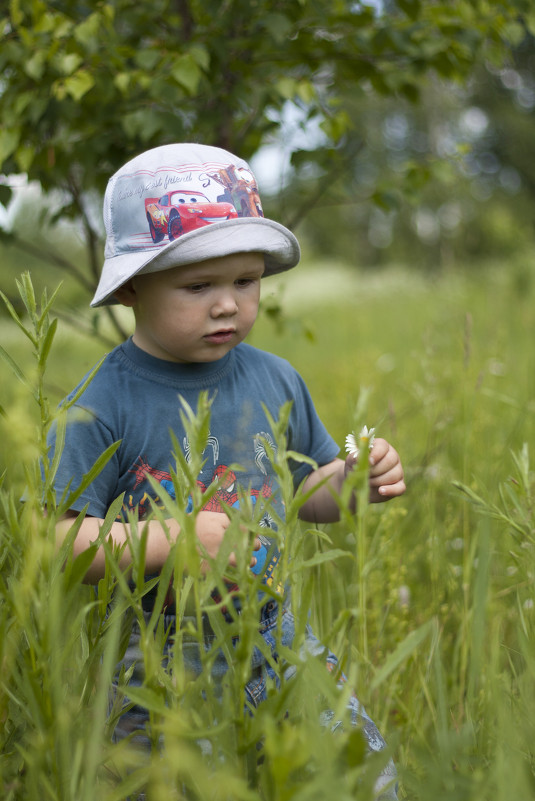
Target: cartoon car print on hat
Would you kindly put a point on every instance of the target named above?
(181, 203)
(180, 212)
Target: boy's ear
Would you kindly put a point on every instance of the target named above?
(126, 294)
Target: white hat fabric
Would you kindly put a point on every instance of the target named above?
(184, 203)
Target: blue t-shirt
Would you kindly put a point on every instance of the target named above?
(135, 398)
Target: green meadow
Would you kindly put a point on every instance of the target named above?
(428, 600)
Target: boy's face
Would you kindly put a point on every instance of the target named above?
(197, 312)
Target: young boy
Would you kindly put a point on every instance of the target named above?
(186, 248)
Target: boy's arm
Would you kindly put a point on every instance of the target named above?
(385, 481)
(211, 527)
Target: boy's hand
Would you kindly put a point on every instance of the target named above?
(386, 472)
(211, 528)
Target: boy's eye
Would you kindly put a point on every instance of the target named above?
(197, 287)
(243, 282)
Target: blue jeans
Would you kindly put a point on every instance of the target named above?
(262, 674)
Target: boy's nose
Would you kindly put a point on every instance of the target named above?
(225, 305)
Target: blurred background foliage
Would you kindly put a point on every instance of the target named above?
(381, 132)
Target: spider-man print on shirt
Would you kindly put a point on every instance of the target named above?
(229, 489)
(227, 495)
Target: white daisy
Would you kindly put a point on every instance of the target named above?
(365, 438)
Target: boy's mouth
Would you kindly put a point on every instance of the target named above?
(220, 337)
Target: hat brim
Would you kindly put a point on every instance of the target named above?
(242, 235)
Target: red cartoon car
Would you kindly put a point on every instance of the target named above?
(180, 212)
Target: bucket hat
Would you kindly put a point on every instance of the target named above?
(184, 203)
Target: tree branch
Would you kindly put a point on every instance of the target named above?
(311, 200)
(47, 254)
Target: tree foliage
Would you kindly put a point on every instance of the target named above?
(86, 85)
(448, 181)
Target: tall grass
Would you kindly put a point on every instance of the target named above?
(61, 642)
(428, 600)
(451, 371)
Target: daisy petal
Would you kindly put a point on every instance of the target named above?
(351, 445)
(364, 440)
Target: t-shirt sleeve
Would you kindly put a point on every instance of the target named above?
(86, 439)
(307, 433)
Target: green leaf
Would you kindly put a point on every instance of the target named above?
(15, 369)
(514, 33)
(129, 786)
(24, 157)
(405, 649)
(201, 55)
(79, 84)
(278, 26)
(80, 566)
(47, 344)
(83, 387)
(27, 293)
(306, 91)
(122, 81)
(46, 305)
(356, 749)
(286, 87)
(9, 139)
(147, 698)
(35, 66)
(140, 124)
(336, 125)
(87, 32)
(410, 7)
(88, 477)
(386, 200)
(187, 73)
(61, 426)
(16, 14)
(22, 102)
(321, 558)
(147, 59)
(529, 21)
(67, 63)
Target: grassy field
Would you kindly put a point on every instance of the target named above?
(431, 606)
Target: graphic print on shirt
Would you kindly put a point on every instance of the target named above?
(227, 495)
(229, 491)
